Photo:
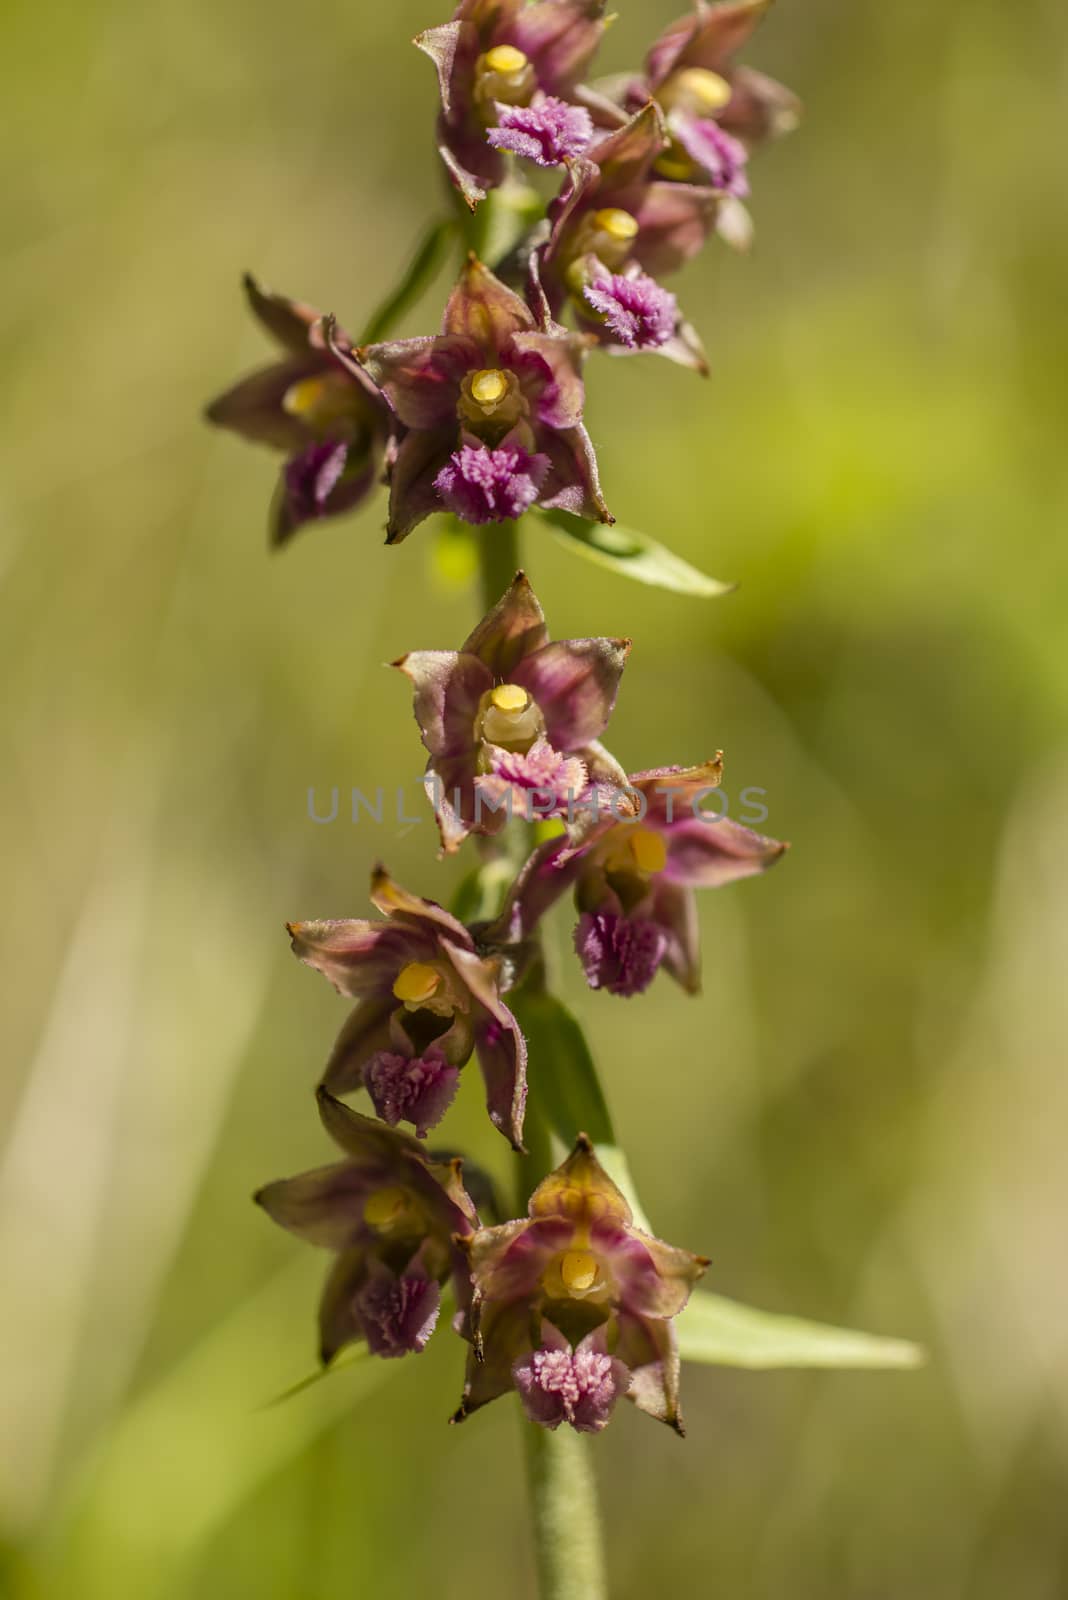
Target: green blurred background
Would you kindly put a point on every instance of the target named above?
(863, 1118)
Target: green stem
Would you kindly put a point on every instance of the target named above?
(567, 1528)
(563, 1494)
(498, 559)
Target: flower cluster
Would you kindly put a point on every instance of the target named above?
(572, 1305)
(485, 419)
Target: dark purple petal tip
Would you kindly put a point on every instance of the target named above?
(617, 953)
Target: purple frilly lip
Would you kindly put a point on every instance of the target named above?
(547, 132)
(558, 38)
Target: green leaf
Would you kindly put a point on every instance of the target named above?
(723, 1333)
(563, 1078)
(423, 268)
(633, 555)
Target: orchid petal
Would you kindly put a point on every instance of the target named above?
(357, 956)
(448, 685)
(509, 631)
(561, 38)
(324, 1207)
(421, 377)
(575, 683)
(706, 852)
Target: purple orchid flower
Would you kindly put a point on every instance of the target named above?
(393, 1219)
(716, 112)
(492, 408)
(572, 1306)
(427, 998)
(329, 418)
(615, 229)
(634, 879)
(512, 722)
(507, 72)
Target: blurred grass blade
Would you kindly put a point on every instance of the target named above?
(350, 1357)
(563, 1077)
(723, 1333)
(425, 263)
(633, 555)
(195, 1447)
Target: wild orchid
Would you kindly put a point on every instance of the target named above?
(395, 1222)
(717, 111)
(427, 999)
(330, 420)
(512, 720)
(634, 875)
(616, 229)
(491, 412)
(574, 1305)
(507, 73)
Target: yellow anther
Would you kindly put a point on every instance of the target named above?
(648, 849)
(579, 1271)
(417, 982)
(505, 58)
(386, 1207)
(710, 92)
(618, 225)
(489, 386)
(509, 697)
(303, 396)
